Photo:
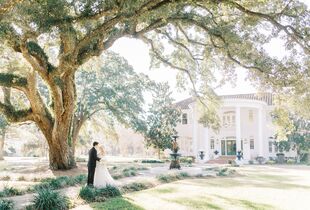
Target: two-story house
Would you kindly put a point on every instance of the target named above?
(246, 125)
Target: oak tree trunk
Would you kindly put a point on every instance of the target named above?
(2, 145)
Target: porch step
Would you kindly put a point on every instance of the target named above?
(222, 160)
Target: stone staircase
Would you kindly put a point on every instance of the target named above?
(222, 159)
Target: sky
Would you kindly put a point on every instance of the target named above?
(137, 54)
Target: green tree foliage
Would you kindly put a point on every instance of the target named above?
(115, 90)
(56, 37)
(161, 120)
(300, 138)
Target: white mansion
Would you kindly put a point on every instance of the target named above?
(246, 125)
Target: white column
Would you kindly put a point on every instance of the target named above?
(206, 142)
(238, 128)
(195, 131)
(260, 132)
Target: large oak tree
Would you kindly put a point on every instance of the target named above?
(194, 37)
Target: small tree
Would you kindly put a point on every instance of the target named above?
(162, 119)
(300, 138)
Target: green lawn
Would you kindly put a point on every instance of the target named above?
(116, 203)
(257, 188)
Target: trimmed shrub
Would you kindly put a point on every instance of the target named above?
(135, 186)
(291, 161)
(117, 176)
(6, 204)
(5, 178)
(49, 199)
(188, 160)
(169, 177)
(60, 182)
(152, 161)
(222, 172)
(251, 162)
(10, 191)
(184, 174)
(270, 162)
(21, 178)
(80, 179)
(91, 194)
(88, 193)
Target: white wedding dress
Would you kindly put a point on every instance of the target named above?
(102, 176)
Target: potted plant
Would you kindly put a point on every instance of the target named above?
(239, 155)
(201, 155)
(260, 159)
(282, 146)
(216, 152)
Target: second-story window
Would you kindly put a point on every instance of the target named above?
(251, 116)
(229, 119)
(184, 119)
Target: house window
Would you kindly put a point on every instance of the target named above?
(242, 145)
(228, 119)
(251, 115)
(212, 144)
(270, 146)
(251, 143)
(184, 118)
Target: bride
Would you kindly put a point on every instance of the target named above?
(102, 176)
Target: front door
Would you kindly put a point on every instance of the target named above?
(231, 147)
(223, 147)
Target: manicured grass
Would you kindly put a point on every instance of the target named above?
(119, 203)
(196, 203)
(252, 187)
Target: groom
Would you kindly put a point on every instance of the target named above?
(92, 163)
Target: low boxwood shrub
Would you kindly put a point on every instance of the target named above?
(166, 178)
(134, 186)
(188, 160)
(6, 204)
(60, 182)
(5, 178)
(270, 162)
(49, 199)
(10, 191)
(222, 172)
(184, 174)
(291, 161)
(91, 194)
(80, 179)
(117, 176)
(152, 161)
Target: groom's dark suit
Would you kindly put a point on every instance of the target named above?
(92, 165)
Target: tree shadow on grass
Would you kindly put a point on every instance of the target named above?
(118, 203)
(260, 181)
(245, 203)
(197, 203)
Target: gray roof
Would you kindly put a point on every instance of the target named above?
(265, 97)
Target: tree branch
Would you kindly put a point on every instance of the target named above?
(6, 7)
(11, 114)
(13, 81)
(288, 29)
